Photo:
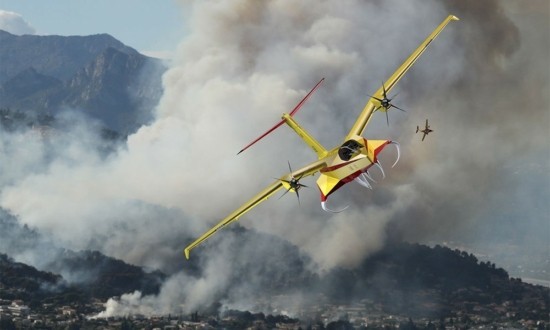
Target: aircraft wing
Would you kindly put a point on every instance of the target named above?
(364, 117)
(262, 196)
(423, 136)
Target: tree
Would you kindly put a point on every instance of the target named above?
(340, 325)
(409, 325)
(7, 324)
(126, 325)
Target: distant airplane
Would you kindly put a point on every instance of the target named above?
(426, 130)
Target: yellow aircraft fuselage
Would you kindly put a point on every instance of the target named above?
(342, 164)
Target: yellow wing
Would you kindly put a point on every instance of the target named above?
(262, 196)
(364, 117)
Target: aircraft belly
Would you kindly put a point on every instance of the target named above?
(329, 180)
(326, 184)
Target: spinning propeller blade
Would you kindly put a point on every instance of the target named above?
(293, 184)
(385, 103)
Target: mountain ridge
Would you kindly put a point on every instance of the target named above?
(96, 75)
(52, 55)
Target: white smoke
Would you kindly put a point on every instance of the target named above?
(241, 66)
(14, 23)
(236, 73)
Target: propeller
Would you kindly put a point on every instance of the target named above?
(385, 103)
(293, 184)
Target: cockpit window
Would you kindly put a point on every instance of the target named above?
(349, 149)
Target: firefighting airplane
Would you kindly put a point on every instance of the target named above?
(345, 163)
(426, 130)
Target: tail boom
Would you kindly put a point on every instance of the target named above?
(292, 113)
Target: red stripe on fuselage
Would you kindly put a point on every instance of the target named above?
(335, 167)
(377, 150)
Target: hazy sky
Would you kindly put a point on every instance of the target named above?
(144, 25)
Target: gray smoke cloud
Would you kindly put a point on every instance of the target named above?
(495, 119)
(14, 23)
(246, 62)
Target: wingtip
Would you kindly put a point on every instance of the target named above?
(186, 252)
(454, 18)
(238, 153)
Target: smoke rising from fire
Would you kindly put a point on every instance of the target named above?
(14, 23)
(241, 66)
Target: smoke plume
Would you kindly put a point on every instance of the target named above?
(14, 23)
(243, 64)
